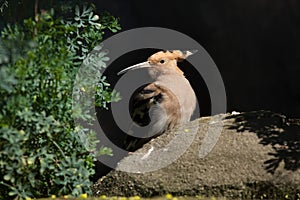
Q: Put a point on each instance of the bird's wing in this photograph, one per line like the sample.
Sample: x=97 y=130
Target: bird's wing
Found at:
x=148 y=115
x=140 y=103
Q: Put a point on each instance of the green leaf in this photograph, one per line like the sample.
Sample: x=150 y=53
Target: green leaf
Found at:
x=40 y=141
x=77 y=12
x=7 y=177
x=12 y=193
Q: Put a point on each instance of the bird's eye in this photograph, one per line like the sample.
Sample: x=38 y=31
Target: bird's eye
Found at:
x=162 y=61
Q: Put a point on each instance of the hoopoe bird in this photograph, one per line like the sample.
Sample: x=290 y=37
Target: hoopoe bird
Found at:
x=168 y=101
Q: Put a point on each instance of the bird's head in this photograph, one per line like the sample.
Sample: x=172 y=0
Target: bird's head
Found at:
x=162 y=60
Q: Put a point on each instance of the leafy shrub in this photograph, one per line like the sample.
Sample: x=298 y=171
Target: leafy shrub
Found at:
x=3 y=4
x=40 y=150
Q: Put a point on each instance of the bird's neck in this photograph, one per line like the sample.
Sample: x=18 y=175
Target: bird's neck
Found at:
x=179 y=71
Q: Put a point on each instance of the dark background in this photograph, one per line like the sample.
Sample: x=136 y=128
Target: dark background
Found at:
x=254 y=43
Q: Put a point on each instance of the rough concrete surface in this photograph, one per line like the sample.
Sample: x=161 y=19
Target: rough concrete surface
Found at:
x=257 y=155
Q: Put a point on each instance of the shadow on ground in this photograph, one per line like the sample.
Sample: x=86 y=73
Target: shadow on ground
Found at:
x=276 y=130
x=256 y=157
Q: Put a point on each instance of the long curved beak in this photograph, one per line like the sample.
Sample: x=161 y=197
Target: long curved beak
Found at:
x=137 y=66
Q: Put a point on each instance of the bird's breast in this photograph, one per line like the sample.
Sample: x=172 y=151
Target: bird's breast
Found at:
x=183 y=92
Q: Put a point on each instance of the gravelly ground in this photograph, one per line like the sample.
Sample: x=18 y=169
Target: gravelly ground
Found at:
x=257 y=155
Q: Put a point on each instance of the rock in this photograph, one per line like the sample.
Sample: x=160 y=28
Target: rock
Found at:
x=239 y=155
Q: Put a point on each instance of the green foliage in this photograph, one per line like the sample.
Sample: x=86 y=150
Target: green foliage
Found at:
x=41 y=152
x=83 y=39
x=3 y=4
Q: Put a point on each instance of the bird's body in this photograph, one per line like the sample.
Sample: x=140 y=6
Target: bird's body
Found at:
x=169 y=100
